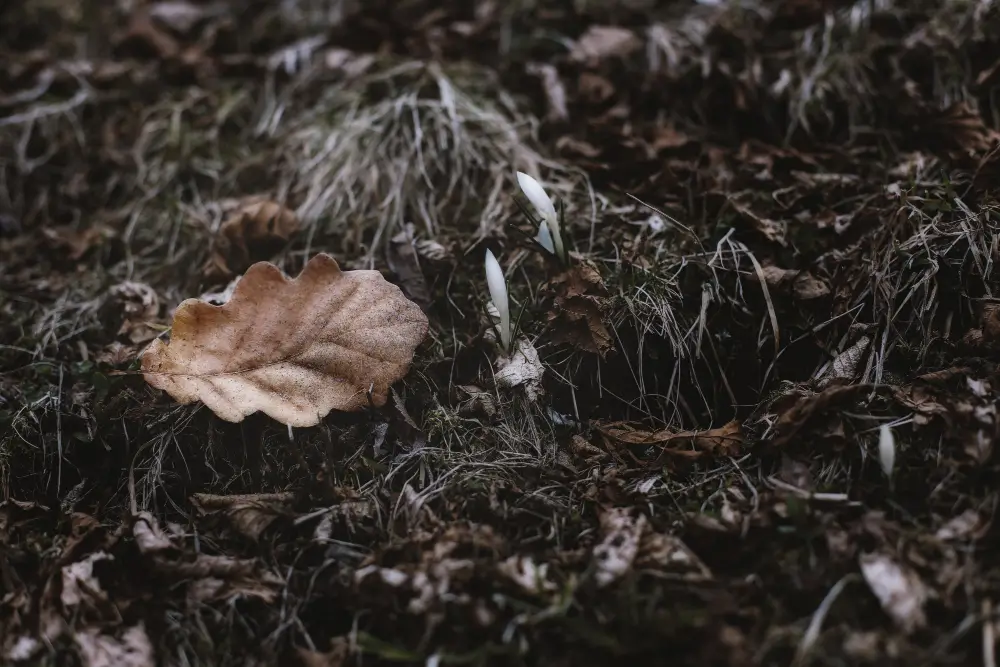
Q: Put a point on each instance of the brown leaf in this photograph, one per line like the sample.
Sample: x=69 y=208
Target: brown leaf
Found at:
x=963 y=129
x=291 y=348
x=792 y=418
x=577 y=316
x=251 y=514
x=255 y=231
x=79 y=585
x=773 y=230
x=804 y=285
x=140 y=308
x=727 y=440
x=603 y=41
x=899 y=589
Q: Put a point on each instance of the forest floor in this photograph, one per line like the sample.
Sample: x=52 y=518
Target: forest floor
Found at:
x=783 y=223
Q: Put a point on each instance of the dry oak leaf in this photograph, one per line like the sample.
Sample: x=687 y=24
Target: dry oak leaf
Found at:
x=293 y=349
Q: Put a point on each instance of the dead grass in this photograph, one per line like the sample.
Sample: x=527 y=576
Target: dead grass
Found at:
x=410 y=142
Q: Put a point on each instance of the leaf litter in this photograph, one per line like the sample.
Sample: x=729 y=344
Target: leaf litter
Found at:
x=782 y=232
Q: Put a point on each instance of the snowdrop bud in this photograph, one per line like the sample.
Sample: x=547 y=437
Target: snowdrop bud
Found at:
x=886 y=449
x=498 y=294
x=545 y=237
x=533 y=190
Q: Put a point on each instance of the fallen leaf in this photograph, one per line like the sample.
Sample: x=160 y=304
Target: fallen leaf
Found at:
x=148 y=536
x=617 y=551
x=669 y=553
x=773 y=230
x=798 y=409
x=251 y=513
x=601 y=41
x=577 y=314
x=727 y=440
x=79 y=585
x=100 y=650
x=291 y=348
x=255 y=231
x=523 y=369
x=140 y=308
x=899 y=590
x=845 y=365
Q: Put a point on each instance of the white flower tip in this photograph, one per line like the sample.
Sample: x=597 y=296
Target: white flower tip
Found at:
x=536 y=194
x=498 y=294
x=545 y=238
x=886 y=449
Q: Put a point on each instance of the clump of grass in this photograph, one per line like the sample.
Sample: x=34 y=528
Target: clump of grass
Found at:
x=412 y=142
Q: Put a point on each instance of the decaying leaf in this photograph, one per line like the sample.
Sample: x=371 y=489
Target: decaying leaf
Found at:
x=522 y=368
x=133 y=649
x=617 y=551
x=79 y=585
x=727 y=440
x=668 y=553
x=795 y=410
x=804 y=285
x=899 y=590
x=845 y=366
x=291 y=348
x=577 y=314
x=250 y=514
x=140 y=307
x=255 y=230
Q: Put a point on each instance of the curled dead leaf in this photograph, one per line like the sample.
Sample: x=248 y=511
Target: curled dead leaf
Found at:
x=251 y=513
x=795 y=410
x=291 y=348
x=804 y=285
x=899 y=590
x=577 y=315
x=140 y=307
x=522 y=368
x=617 y=551
x=254 y=231
x=727 y=440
